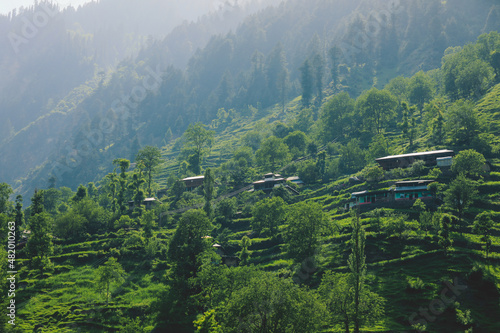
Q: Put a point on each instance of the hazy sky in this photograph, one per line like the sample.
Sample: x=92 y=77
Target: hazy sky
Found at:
x=8 y=5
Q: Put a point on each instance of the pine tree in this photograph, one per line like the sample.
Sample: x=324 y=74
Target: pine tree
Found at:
x=319 y=69
x=306 y=82
x=19 y=216
x=335 y=54
x=124 y=164
x=445 y=240
x=245 y=253
x=37 y=203
x=208 y=191
x=357 y=266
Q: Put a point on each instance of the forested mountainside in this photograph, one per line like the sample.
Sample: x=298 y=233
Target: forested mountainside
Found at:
x=240 y=69
x=257 y=188
x=346 y=245
x=49 y=71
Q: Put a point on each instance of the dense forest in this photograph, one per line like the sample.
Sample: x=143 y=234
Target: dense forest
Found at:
x=140 y=204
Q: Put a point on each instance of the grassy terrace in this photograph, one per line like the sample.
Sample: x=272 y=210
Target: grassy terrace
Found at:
x=68 y=297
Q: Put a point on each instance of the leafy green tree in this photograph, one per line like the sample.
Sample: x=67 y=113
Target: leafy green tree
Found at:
x=148 y=222
x=321 y=164
x=39 y=246
x=207 y=323
x=306 y=222
x=70 y=225
x=421 y=89
x=281 y=130
x=373 y=173
x=226 y=208
x=135 y=186
x=270 y=304
x=399 y=87
x=177 y=190
x=335 y=290
x=337 y=294
x=208 y=191
x=334 y=116
x=469 y=162
x=187 y=243
x=408 y=126
x=112 y=189
x=475 y=78
x=308 y=172
x=304 y=120
x=273 y=153
x=419 y=206
x=461 y=194
x=97 y=217
x=51 y=198
x=306 y=82
x=379 y=147
x=245 y=253
x=483 y=225
x=92 y=190
x=437 y=128
x=198 y=140
x=297 y=139
x=425 y=220
x=376 y=107
x=252 y=139
x=352 y=157
x=5 y=192
x=238 y=170
x=81 y=193
x=462 y=122
x=132 y=326
x=124 y=164
x=398 y=224
x=268 y=213
x=150 y=157
x=312 y=149
x=444 y=233
x=37 y=206
x=110 y=272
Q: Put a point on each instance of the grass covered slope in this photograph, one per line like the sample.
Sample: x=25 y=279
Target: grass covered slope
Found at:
x=168 y=274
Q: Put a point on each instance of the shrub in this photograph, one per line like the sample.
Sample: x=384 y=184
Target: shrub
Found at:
x=417 y=168
x=414 y=284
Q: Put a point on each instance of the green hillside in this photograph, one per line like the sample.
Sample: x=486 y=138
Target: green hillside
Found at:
x=130 y=238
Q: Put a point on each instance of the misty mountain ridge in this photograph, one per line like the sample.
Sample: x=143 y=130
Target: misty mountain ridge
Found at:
x=224 y=73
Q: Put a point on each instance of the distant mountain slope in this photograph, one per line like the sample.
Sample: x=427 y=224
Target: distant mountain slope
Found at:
x=46 y=77
x=377 y=39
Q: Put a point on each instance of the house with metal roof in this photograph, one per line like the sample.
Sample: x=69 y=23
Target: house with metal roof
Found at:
x=405 y=160
x=148 y=203
x=412 y=190
x=269 y=182
x=403 y=190
x=193 y=182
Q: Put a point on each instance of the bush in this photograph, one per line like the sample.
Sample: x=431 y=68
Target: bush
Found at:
x=399 y=173
x=414 y=284
x=308 y=172
x=417 y=168
x=434 y=173
x=373 y=173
